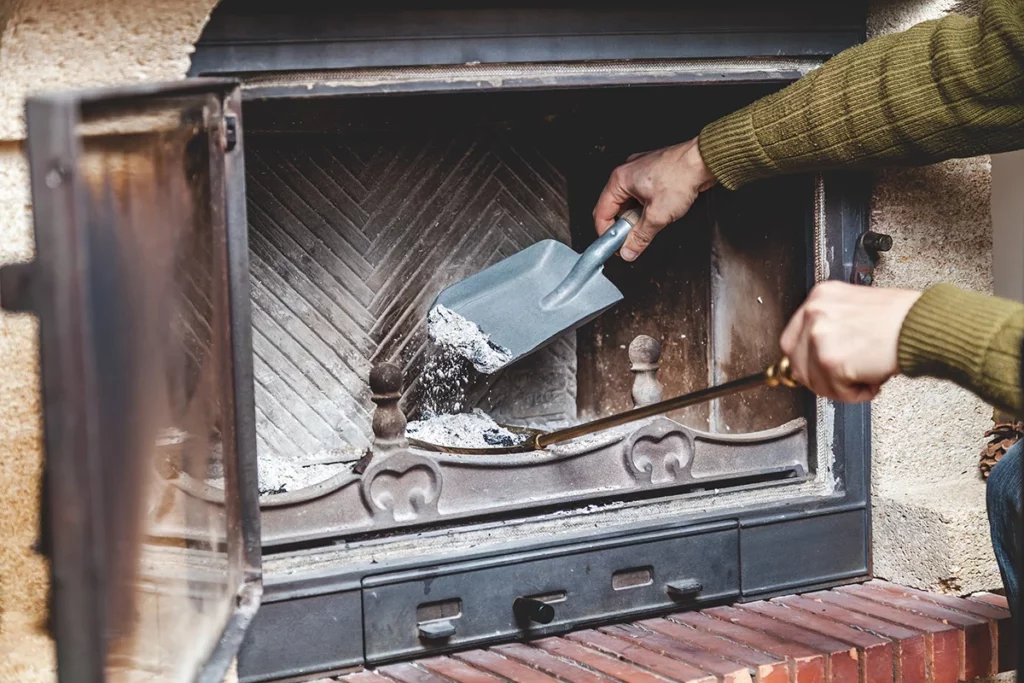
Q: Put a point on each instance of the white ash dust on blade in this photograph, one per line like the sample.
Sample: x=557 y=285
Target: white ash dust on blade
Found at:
x=449 y=329
x=464 y=430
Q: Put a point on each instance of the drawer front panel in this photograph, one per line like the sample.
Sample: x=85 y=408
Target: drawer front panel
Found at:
x=539 y=596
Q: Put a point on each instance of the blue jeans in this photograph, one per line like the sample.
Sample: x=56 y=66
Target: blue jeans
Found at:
x=1004 y=499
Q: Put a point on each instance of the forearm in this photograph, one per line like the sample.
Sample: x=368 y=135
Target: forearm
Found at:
x=948 y=88
x=968 y=338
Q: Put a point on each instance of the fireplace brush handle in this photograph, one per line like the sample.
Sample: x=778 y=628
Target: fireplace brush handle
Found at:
x=778 y=374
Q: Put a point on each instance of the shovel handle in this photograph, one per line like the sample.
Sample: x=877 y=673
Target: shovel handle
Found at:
x=592 y=259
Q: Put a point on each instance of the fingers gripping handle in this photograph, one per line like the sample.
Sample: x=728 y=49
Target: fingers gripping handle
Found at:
x=592 y=260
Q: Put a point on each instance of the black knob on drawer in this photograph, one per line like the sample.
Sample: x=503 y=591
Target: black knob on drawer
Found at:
x=686 y=588
x=436 y=630
x=530 y=609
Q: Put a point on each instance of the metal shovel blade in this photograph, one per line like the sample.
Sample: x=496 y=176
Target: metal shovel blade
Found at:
x=510 y=300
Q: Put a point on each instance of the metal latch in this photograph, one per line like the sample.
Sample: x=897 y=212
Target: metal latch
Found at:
x=229 y=132
x=16 y=287
x=865 y=256
x=436 y=630
x=686 y=588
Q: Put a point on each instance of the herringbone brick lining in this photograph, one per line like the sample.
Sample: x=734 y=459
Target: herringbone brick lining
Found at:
x=871 y=633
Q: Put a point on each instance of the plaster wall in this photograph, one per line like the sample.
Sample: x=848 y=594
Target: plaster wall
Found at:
x=929 y=500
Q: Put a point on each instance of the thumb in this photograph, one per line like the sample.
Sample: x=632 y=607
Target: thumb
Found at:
x=639 y=237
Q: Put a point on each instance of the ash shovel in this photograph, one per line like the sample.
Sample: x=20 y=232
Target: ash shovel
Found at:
x=778 y=374
x=526 y=300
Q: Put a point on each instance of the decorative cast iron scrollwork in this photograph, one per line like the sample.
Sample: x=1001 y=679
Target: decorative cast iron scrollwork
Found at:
x=660 y=453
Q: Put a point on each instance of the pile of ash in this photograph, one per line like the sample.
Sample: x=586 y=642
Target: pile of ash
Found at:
x=463 y=430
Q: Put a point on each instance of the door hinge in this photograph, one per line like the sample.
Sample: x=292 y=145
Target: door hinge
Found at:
x=17 y=288
x=230 y=139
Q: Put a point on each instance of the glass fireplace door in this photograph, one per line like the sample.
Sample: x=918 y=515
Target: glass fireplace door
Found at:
x=140 y=284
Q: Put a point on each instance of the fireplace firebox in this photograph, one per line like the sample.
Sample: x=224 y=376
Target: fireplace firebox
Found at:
x=390 y=152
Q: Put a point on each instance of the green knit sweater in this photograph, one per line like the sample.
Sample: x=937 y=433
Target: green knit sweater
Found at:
x=943 y=89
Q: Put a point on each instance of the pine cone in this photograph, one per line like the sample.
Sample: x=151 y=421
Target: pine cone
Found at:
x=1000 y=438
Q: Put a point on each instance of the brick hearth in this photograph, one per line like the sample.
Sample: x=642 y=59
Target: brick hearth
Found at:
x=871 y=633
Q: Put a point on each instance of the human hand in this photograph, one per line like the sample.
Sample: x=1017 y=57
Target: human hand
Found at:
x=842 y=342
x=666 y=182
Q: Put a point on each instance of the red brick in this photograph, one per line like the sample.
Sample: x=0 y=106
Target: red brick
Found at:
x=506 y=668
x=944 y=642
x=873 y=652
x=977 y=609
x=767 y=668
x=364 y=677
x=729 y=672
x=659 y=664
x=806 y=665
x=1003 y=659
x=991 y=599
x=910 y=648
x=612 y=666
x=542 y=661
x=457 y=671
x=409 y=673
x=977 y=646
x=841 y=662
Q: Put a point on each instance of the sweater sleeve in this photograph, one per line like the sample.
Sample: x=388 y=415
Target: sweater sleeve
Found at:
x=969 y=338
x=948 y=88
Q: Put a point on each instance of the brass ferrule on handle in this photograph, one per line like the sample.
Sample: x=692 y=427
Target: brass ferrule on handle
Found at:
x=780 y=374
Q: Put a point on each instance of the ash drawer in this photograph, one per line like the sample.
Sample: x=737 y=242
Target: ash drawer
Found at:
x=538 y=594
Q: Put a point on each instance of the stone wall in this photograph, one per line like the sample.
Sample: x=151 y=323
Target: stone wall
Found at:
x=46 y=44
x=929 y=500
x=930 y=528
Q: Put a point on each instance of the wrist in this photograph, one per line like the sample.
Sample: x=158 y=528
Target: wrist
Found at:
x=694 y=161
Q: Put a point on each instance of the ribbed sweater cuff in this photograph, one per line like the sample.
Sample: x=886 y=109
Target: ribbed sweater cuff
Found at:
x=730 y=148
x=947 y=332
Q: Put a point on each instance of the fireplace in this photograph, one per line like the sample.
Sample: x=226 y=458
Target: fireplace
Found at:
x=389 y=153
x=355 y=226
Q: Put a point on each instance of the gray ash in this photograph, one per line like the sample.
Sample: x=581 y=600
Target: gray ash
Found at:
x=444 y=382
x=465 y=430
x=465 y=338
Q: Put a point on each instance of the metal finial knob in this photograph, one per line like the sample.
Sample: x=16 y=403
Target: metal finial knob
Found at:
x=644 y=357
x=388 y=419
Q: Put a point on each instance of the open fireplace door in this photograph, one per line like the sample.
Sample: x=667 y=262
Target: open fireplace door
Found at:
x=140 y=285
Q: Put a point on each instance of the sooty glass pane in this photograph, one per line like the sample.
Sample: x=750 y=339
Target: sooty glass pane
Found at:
x=158 y=276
